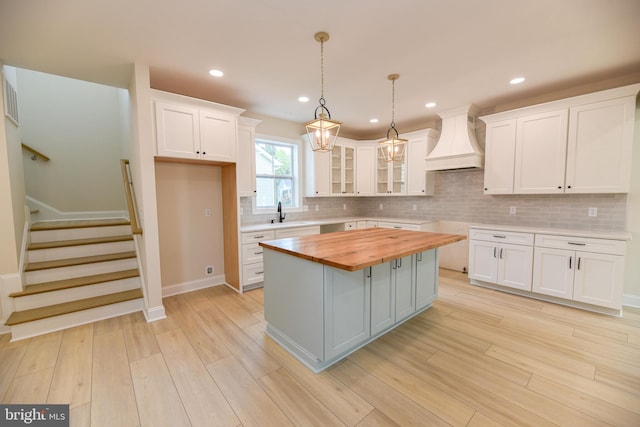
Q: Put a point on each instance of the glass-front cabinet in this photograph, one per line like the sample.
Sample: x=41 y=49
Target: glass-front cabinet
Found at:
x=391 y=176
x=343 y=170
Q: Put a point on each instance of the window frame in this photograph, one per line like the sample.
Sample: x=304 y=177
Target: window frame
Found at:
x=297 y=173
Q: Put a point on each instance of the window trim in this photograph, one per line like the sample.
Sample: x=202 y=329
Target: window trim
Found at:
x=297 y=173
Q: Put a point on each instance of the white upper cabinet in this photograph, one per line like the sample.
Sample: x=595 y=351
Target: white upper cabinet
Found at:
x=419 y=144
x=218 y=136
x=246 y=165
x=343 y=168
x=391 y=177
x=576 y=145
x=500 y=157
x=317 y=172
x=190 y=128
x=541 y=146
x=599 y=146
x=366 y=169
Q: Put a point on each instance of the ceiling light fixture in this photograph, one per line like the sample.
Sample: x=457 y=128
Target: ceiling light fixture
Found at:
x=430 y=104
x=393 y=147
x=373 y=121
x=216 y=73
x=322 y=131
x=517 y=80
x=303 y=99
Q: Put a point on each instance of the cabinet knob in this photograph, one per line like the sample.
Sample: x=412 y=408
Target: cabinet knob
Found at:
x=559 y=187
x=485 y=188
x=568 y=186
x=197 y=152
x=204 y=152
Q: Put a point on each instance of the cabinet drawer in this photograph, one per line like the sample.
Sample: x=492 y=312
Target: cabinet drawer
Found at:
x=258 y=236
x=585 y=244
x=398 y=225
x=252 y=273
x=297 y=231
x=251 y=253
x=501 y=236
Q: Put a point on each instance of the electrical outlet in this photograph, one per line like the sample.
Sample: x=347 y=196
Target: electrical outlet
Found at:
x=344 y=206
x=380 y=207
x=414 y=207
x=305 y=208
x=593 y=211
x=208 y=270
x=317 y=208
x=207 y=212
x=512 y=210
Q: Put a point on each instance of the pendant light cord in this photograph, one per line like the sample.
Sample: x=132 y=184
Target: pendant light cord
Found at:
x=322 y=72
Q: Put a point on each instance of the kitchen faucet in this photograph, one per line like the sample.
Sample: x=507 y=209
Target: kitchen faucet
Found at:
x=280 y=214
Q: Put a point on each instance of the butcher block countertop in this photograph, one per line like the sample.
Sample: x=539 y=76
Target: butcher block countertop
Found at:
x=358 y=249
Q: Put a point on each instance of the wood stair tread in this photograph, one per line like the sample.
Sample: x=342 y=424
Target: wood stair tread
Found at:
x=84 y=223
x=76 y=282
x=33 y=266
x=18 y=317
x=78 y=242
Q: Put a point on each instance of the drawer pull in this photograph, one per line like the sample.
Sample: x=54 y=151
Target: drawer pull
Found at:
x=257 y=273
x=257 y=253
x=258 y=237
x=498 y=236
x=577 y=243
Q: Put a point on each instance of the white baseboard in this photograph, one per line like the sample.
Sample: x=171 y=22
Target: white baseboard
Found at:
x=49 y=213
x=181 y=288
x=630 y=300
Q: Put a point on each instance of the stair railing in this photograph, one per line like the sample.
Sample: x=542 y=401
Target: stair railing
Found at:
x=34 y=153
x=128 y=192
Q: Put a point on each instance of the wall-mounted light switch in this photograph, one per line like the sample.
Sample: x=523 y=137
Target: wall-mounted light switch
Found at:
x=512 y=210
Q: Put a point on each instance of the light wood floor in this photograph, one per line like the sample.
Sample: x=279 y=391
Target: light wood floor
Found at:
x=476 y=358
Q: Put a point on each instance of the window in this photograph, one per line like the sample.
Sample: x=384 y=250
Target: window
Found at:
x=276 y=174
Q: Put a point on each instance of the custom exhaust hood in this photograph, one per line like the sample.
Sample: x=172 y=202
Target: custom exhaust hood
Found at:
x=457 y=147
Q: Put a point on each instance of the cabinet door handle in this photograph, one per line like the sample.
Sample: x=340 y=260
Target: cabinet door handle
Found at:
x=501 y=249
x=419 y=256
x=369 y=273
x=579 y=259
x=394 y=264
x=399 y=262
x=570 y=262
x=498 y=236
x=577 y=244
x=494 y=251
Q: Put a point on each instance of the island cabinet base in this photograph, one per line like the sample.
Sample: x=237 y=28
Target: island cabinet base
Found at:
x=321 y=314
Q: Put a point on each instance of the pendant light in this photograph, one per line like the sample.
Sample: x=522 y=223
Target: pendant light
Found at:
x=322 y=131
x=393 y=147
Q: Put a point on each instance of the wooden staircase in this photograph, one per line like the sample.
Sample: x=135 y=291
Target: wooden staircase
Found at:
x=77 y=272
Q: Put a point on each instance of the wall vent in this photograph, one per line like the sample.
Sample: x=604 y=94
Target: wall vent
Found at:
x=10 y=102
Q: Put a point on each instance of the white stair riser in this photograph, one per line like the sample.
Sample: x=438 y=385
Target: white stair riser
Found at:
x=52 y=254
x=78 y=233
x=73 y=294
x=57 y=323
x=62 y=273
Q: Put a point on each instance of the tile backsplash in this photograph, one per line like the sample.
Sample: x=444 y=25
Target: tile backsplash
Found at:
x=459 y=197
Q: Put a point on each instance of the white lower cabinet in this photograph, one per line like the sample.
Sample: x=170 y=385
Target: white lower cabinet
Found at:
x=580 y=275
x=426 y=278
x=578 y=270
x=252 y=265
x=503 y=258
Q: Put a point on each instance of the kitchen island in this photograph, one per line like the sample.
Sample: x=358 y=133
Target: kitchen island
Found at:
x=327 y=295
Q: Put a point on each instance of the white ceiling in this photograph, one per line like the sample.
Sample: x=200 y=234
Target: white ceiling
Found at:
x=453 y=52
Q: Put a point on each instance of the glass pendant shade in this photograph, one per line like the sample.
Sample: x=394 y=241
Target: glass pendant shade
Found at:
x=322 y=132
x=393 y=147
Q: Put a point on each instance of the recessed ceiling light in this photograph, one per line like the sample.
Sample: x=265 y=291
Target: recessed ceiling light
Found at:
x=517 y=80
x=303 y=99
x=216 y=73
x=373 y=121
x=430 y=104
